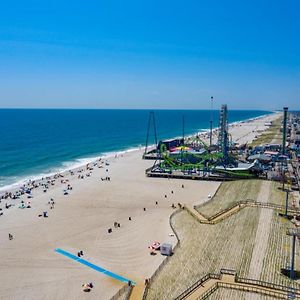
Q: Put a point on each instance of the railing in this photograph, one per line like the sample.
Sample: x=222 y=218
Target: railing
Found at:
x=197 y=284
x=250 y=202
x=222 y=212
x=212 y=220
x=228 y=272
x=240 y=205
x=244 y=284
x=270 y=205
x=209 y=292
x=265 y=284
x=251 y=289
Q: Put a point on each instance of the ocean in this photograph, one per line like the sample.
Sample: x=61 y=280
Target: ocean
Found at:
x=39 y=142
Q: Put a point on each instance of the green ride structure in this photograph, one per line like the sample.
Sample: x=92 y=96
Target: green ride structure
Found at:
x=190 y=157
x=203 y=163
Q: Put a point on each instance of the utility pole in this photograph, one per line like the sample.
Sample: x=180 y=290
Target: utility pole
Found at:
x=286 y=203
x=293 y=232
x=283 y=175
x=285 y=110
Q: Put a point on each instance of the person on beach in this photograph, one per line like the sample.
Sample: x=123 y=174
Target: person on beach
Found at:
x=52 y=204
x=10 y=236
x=86 y=287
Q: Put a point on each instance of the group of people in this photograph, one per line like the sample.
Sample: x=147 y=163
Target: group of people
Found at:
x=107 y=178
x=116 y=225
x=51 y=203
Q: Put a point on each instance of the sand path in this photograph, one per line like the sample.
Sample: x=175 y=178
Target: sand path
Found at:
x=262 y=234
x=261 y=239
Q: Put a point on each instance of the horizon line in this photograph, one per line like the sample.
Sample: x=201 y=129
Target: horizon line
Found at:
x=149 y=109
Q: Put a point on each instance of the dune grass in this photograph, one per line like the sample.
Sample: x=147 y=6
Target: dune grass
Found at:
x=230 y=193
x=278 y=254
x=272 y=135
x=228 y=244
x=205 y=249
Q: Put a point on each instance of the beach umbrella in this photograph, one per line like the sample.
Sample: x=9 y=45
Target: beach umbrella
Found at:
x=155 y=245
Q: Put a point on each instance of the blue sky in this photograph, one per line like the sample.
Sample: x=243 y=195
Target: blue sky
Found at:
x=150 y=54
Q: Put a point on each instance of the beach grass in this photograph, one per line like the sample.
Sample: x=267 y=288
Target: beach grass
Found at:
x=229 y=194
x=206 y=249
x=272 y=135
x=278 y=253
x=229 y=244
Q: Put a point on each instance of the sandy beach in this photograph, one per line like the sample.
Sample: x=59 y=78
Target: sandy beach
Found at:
x=31 y=269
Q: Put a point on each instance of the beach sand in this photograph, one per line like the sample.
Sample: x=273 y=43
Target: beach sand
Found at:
x=31 y=269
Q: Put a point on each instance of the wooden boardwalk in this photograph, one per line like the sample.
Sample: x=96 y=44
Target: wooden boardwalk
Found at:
x=234 y=209
x=211 y=282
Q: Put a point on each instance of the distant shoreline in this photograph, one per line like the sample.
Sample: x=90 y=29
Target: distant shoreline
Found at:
x=81 y=162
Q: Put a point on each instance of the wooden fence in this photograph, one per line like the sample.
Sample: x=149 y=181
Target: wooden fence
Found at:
x=243 y=284
x=198 y=283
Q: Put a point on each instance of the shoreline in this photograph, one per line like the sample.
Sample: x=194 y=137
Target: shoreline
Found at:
x=80 y=221
x=82 y=162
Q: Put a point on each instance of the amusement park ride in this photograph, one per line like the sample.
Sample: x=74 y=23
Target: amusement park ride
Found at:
x=191 y=157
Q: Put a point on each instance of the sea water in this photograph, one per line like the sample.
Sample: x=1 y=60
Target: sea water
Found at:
x=37 y=142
